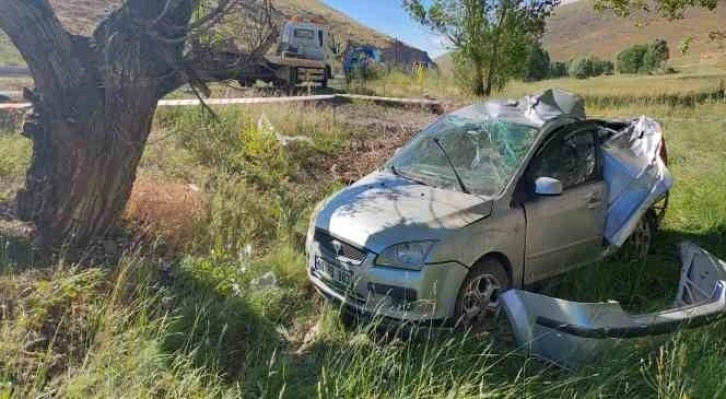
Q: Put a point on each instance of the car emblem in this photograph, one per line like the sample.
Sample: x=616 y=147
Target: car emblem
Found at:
x=338 y=246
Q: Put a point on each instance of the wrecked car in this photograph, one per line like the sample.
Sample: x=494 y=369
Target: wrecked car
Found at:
x=491 y=197
x=573 y=334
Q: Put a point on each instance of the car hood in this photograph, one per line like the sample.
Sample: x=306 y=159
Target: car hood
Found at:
x=384 y=209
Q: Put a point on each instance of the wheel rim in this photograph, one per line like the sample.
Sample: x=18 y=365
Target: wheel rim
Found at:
x=640 y=239
x=480 y=299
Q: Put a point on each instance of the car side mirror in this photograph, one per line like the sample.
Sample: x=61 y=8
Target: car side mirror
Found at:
x=547 y=186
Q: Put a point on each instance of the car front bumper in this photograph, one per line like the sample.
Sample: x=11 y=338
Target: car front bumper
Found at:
x=392 y=295
x=574 y=334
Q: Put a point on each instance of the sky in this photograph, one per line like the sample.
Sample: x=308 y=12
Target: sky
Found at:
x=389 y=17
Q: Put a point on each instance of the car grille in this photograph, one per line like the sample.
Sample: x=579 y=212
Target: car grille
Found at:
x=326 y=241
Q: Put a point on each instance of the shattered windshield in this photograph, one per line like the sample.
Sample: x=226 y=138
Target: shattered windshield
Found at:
x=485 y=152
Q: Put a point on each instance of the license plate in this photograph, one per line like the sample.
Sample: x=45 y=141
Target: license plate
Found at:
x=331 y=271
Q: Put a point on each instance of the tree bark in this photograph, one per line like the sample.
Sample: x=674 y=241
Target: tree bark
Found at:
x=479 y=89
x=94 y=103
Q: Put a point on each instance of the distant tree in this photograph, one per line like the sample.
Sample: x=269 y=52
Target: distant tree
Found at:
x=589 y=67
x=656 y=57
x=672 y=9
x=642 y=58
x=490 y=38
x=630 y=60
x=559 y=69
x=538 y=64
x=581 y=68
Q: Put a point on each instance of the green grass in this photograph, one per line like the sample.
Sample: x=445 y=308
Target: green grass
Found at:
x=15 y=152
x=9 y=56
x=204 y=326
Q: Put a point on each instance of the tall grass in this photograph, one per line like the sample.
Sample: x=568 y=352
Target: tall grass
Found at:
x=202 y=322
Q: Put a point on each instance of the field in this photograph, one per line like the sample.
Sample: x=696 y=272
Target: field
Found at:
x=184 y=305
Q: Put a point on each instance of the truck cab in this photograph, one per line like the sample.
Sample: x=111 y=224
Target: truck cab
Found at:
x=305 y=39
x=304 y=53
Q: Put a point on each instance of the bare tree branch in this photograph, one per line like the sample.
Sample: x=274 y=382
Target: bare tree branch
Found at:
x=44 y=44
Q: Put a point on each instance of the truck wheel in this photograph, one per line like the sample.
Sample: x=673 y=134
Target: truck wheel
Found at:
x=478 y=300
x=640 y=243
x=328 y=76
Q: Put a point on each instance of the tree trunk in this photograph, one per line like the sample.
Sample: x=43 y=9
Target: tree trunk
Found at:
x=478 y=88
x=94 y=103
x=95 y=100
x=83 y=169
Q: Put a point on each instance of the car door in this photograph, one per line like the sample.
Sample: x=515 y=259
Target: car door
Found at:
x=565 y=230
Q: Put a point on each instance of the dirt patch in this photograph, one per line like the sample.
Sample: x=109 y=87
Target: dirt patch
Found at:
x=376 y=132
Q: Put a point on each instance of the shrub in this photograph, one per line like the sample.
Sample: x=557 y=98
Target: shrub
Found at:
x=559 y=69
x=656 y=57
x=538 y=64
x=588 y=67
x=630 y=60
x=642 y=58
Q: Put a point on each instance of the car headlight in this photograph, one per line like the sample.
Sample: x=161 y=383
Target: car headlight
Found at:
x=408 y=255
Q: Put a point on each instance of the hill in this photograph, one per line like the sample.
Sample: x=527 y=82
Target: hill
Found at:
x=576 y=29
x=80 y=17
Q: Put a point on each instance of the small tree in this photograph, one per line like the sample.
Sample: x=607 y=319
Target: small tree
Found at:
x=656 y=57
x=630 y=60
x=559 y=69
x=581 y=68
x=538 y=64
x=589 y=67
x=490 y=37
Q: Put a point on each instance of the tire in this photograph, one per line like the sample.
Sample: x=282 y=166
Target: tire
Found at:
x=488 y=277
x=640 y=243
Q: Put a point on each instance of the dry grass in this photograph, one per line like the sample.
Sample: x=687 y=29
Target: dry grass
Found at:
x=626 y=85
x=167 y=211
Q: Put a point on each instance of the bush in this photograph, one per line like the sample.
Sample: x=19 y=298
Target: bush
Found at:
x=656 y=57
x=642 y=58
x=630 y=60
x=588 y=67
x=538 y=64
x=559 y=69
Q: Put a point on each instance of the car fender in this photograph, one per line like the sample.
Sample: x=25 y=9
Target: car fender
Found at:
x=503 y=232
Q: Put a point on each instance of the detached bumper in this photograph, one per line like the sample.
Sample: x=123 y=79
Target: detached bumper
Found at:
x=572 y=334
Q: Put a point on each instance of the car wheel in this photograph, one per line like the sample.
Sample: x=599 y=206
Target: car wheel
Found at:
x=478 y=300
x=640 y=243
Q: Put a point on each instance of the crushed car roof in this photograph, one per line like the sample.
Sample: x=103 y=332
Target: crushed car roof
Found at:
x=534 y=110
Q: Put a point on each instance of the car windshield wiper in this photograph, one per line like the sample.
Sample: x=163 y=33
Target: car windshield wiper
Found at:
x=407 y=176
x=448 y=159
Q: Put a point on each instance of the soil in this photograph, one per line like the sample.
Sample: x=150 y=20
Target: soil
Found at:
x=377 y=132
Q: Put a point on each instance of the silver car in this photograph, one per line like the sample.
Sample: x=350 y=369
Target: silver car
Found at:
x=494 y=196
